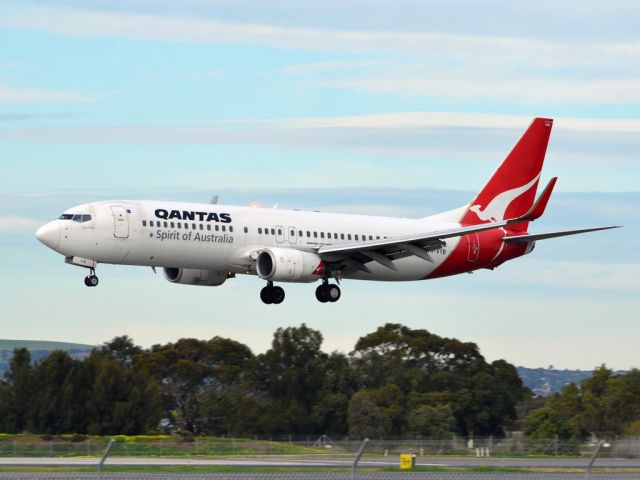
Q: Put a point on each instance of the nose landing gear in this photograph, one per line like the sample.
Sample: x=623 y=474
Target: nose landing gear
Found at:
x=91 y=280
x=328 y=292
x=271 y=294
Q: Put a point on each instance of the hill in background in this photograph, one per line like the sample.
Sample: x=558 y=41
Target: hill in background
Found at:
x=39 y=350
x=545 y=381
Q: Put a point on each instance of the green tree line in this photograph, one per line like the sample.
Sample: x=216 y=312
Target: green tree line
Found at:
x=604 y=405
x=396 y=381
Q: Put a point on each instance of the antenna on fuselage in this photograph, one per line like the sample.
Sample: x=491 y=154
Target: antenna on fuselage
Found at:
x=214 y=200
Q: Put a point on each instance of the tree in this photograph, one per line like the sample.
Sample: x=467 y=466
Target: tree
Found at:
x=366 y=419
x=292 y=373
x=433 y=422
x=20 y=378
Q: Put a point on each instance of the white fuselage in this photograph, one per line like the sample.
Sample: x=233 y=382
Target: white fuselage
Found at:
x=225 y=238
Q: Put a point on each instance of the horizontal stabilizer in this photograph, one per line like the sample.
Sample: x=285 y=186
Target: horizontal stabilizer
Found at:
x=543 y=236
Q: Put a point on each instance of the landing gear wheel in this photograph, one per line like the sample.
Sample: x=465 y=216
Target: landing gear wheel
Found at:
x=91 y=281
x=328 y=293
x=277 y=295
x=321 y=294
x=266 y=295
x=333 y=293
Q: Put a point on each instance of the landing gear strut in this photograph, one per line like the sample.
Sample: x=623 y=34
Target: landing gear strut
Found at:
x=91 y=280
x=271 y=294
x=328 y=292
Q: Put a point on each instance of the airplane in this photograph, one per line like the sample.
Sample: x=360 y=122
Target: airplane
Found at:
x=207 y=244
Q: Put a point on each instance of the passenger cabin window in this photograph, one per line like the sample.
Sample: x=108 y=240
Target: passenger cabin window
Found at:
x=279 y=232
x=186 y=225
x=308 y=234
x=299 y=233
x=335 y=236
x=144 y=223
x=179 y=224
x=259 y=230
x=292 y=233
x=208 y=226
x=151 y=223
x=273 y=231
x=166 y=224
x=356 y=237
x=217 y=228
x=194 y=225
x=173 y=225
x=246 y=230
x=321 y=234
x=201 y=227
x=348 y=236
x=224 y=228
x=315 y=234
x=342 y=236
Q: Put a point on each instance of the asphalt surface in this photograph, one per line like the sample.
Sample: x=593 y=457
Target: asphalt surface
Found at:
x=318 y=476
x=324 y=462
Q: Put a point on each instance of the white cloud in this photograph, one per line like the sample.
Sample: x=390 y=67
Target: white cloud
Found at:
x=595 y=276
x=449 y=66
x=9 y=225
x=9 y=94
x=203 y=30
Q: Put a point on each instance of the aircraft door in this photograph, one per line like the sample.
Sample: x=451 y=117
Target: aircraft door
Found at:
x=279 y=234
x=473 y=243
x=120 y=222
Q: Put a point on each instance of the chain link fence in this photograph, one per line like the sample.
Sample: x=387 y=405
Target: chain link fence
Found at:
x=30 y=446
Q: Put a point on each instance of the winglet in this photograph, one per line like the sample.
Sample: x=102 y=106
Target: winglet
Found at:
x=537 y=209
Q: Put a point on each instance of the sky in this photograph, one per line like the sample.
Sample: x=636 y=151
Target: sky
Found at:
x=400 y=108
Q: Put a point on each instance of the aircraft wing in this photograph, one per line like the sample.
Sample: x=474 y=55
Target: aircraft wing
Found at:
x=384 y=251
x=542 y=236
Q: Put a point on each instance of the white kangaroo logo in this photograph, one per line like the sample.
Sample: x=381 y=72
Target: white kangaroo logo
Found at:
x=496 y=209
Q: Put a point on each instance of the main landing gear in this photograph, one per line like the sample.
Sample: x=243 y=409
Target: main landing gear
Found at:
x=328 y=292
x=271 y=294
x=91 y=280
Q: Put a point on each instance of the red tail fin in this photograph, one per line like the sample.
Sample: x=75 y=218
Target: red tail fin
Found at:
x=511 y=190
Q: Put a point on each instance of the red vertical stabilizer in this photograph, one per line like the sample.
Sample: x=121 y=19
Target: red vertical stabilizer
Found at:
x=511 y=190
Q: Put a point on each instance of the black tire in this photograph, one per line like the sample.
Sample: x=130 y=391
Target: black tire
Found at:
x=333 y=293
x=87 y=282
x=266 y=295
x=321 y=294
x=277 y=295
x=93 y=281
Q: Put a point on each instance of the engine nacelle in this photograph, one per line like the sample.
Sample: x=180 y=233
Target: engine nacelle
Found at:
x=190 y=276
x=289 y=265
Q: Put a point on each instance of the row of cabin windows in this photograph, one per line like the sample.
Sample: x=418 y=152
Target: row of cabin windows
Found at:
x=328 y=235
x=266 y=231
x=185 y=225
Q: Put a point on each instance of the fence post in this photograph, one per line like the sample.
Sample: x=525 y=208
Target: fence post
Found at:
x=593 y=457
x=357 y=459
x=555 y=450
x=105 y=454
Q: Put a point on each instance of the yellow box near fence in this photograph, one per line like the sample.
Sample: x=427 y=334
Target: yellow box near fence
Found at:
x=406 y=461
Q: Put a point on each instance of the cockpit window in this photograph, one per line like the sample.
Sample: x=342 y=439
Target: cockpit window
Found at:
x=80 y=218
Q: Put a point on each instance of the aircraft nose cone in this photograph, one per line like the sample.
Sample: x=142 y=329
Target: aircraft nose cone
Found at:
x=49 y=234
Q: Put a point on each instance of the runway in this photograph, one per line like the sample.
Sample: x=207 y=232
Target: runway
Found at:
x=322 y=462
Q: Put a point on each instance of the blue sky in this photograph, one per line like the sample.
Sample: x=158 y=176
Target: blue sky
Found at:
x=400 y=108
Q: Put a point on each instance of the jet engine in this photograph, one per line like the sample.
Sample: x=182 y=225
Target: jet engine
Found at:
x=289 y=265
x=190 y=276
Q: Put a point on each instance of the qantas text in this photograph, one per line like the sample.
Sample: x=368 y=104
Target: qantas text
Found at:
x=189 y=215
